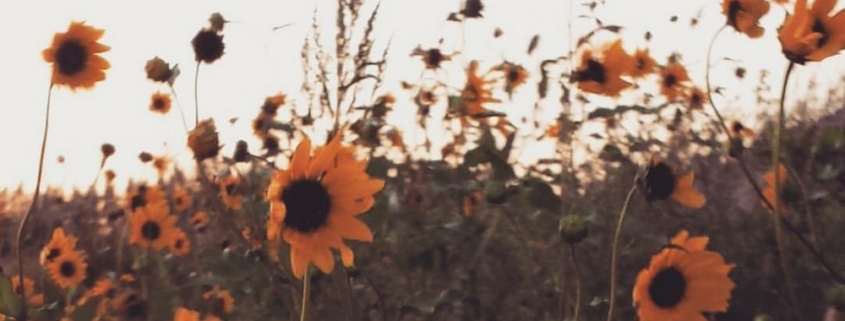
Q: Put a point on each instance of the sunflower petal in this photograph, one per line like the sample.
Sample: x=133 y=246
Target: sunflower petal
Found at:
x=299 y=161
x=686 y=194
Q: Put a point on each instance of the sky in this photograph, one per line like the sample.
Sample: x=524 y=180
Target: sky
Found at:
x=259 y=62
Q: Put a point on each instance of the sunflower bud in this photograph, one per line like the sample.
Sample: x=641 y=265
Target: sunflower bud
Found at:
x=217 y=22
x=203 y=140
x=107 y=150
x=836 y=297
x=145 y=157
x=158 y=70
x=495 y=192
x=572 y=229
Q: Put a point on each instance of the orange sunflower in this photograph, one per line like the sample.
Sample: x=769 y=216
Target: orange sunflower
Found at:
x=812 y=35
x=696 y=98
x=58 y=244
x=221 y=301
x=179 y=245
x=181 y=199
x=515 y=75
x=314 y=204
x=75 y=57
x=104 y=287
x=228 y=184
x=145 y=196
x=673 y=77
x=160 y=103
x=68 y=269
x=744 y=15
x=476 y=93
x=643 y=65
x=199 y=221
x=603 y=76
x=681 y=282
x=152 y=227
x=183 y=314
x=662 y=184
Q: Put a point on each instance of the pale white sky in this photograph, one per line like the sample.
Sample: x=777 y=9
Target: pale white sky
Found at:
x=259 y=63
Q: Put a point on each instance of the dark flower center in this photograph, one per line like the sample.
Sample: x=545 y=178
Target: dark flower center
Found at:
x=513 y=75
x=54 y=253
x=158 y=104
x=67 y=269
x=660 y=182
x=670 y=81
x=819 y=27
x=208 y=46
x=433 y=58
x=640 y=63
x=667 y=288
x=151 y=230
x=594 y=72
x=71 y=57
x=308 y=204
x=733 y=9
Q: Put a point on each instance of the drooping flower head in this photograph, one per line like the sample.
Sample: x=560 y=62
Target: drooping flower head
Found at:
x=661 y=183
x=682 y=281
x=812 y=35
x=314 y=204
x=603 y=75
x=75 y=57
x=744 y=15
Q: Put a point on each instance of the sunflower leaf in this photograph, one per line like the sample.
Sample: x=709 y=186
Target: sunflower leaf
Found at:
x=9 y=301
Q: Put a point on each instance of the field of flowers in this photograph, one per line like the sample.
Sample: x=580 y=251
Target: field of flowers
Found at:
x=682 y=214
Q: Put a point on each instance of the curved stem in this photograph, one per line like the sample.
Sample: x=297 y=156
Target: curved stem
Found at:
x=776 y=213
x=196 y=99
x=303 y=311
x=615 y=251
x=179 y=105
x=32 y=205
x=577 y=282
x=707 y=81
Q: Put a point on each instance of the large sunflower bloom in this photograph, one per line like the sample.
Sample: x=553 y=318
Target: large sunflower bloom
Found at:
x=75 y=57
x=58 y=244
x=152 y=227
x=680 y=283
x=314 y=202
x=661 y=184
x=603 y=76
x=68 y=270
x=744 y=15
x=812 y=35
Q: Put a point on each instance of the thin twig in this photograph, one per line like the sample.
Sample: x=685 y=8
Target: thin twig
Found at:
x=612 y=295
x=22 y=314
x=196 y=99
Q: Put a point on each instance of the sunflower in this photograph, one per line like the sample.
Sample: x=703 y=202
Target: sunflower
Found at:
x=103 y=287
x=515 y=75
x=682 y=239
x=181 y=199
x=662 y=184
x=603 y=76
x=152 y=227
x=160 y=103
x=28 y=290
x=179 y=245
x=744 y=15
x=199 y=221
x=314 y=202
x=208 y=46
x=812 y=35
x=643 y=64
x=475 y=93
x=145 y=196
x=228 y=185
x=75 y=57
x=183 y=314
x=58 y=244
x=673 y=77
x=681 y=283
x=68 y=269
x=696 y=98
x=203 y=140
x=160 y=163
x=221 y=300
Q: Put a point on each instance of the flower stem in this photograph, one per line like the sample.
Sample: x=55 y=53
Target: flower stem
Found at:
x=196 y=99
x=179 y=105
x=707 y=81
x=22 y=314
x=577 y=282
x=778 y=145
x=303 y=311
x=615 y=251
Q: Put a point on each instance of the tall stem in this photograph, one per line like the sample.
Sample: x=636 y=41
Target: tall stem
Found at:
x=778 y=145
x=19 y=241
x=196 y=99
x=179 y=105
x=612 y=295
x=304 y=310
x=707 y=81
x=577 y=282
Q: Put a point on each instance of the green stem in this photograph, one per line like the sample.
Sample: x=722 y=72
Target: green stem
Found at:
x=22 y=314
x=778 y=146
x=577 y=282
x=615 y=251
x=196 y=99
x=303 y=311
